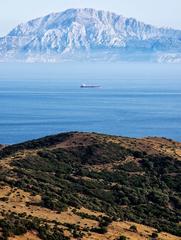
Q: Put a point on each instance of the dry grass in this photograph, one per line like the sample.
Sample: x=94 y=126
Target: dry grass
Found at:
x=115 y=229
x=151 y=145
x=27 y=236
x=17 y=196
x=15 y=200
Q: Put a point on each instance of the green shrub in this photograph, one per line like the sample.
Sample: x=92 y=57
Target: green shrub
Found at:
x=154 y=235
x=122 y=238
x=133 y=228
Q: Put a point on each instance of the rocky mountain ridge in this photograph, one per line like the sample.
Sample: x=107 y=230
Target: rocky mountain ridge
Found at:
x=88 y=34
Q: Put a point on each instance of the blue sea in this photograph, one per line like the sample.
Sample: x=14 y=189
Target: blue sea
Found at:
x=135 y=100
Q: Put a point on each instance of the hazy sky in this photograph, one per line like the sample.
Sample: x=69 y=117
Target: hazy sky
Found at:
x=157 y=12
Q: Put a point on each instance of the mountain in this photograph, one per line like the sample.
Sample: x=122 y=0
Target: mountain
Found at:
x=88 y=34
x=90 y=186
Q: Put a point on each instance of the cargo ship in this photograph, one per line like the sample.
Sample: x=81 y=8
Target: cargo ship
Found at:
x=89 y=86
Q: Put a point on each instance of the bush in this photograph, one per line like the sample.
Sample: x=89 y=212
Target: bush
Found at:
x=133 y=228
x=100 y=230
x=122 y=238
x=105 y=221
x=154 y=235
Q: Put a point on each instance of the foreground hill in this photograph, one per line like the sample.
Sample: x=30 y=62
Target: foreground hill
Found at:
x=90 y=186
x=90 y=35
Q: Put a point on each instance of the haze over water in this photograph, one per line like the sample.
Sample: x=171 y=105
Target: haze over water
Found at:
x=135 y=100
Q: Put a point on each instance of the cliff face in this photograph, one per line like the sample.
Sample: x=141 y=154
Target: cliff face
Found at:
x=90 y=186
x=88 y=34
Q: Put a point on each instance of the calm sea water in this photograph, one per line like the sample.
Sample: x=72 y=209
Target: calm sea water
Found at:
x=135 y=100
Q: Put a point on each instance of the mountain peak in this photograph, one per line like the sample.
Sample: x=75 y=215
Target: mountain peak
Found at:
x=87 y=31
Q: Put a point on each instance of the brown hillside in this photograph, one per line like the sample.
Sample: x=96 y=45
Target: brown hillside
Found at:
x=90 y=186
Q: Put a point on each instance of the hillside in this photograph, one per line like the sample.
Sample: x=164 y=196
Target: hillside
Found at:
x=89 y=34
x=90 y=186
